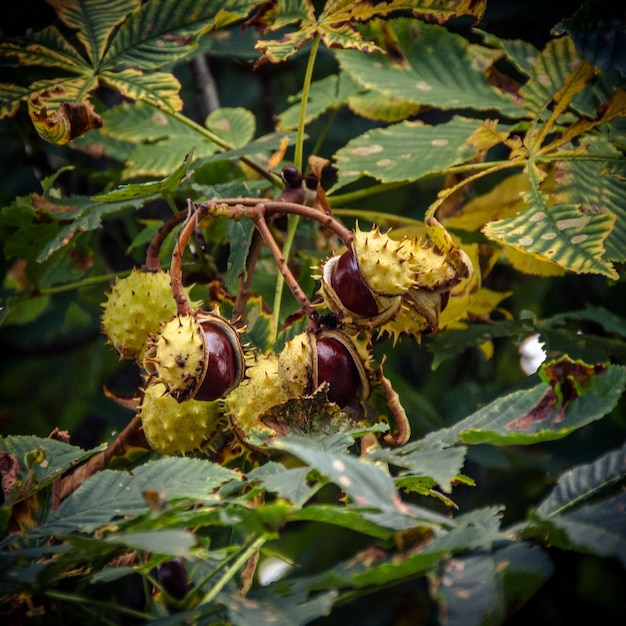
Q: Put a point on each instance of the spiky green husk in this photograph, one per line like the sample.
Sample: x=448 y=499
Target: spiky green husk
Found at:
x=295 y=366
x=176 y=356
x=178 y=428
x=259 y=392
x=135 y=308
x=392 y=267
x=383 y=262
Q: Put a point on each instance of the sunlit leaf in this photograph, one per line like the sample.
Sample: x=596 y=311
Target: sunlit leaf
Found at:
x=571 y=235
x=406 y=151
x=549 y=72
x=157 y=87
x=335 y=24
x=453 y=78
x=163 y=541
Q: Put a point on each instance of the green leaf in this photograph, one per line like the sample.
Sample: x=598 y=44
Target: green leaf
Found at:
x=93 y=25
x=366 y=484
x=239 y=236
x=110 y=495
x=583 y=482
x=570 y=235
x=441 y=464
x=470 y=594
x=330 y=92
x=597 y=30
x=290 y=484
x=90 y=212
x=575 y=396
x=549 y=73
x=340 y=516
x=163 y=541
x=235 y=126
x=159 y=88
x=165 y=32
x=407 y=151
x=439 y=69
x=43 y=460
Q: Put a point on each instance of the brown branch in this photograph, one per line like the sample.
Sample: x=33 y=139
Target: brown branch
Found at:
x=243 y=293
x=283 y=266
x=153 y=254
x=403 y=427
x=68 y=484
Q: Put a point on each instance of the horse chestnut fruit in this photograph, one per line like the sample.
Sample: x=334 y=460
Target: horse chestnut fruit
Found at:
x=196 y=356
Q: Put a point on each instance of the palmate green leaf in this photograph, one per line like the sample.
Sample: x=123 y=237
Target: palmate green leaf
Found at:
x=570 y=233
x=92 y=24
x=439 y=69
x=46 y=48
x=165 y=32
x=159 y=88
x=575 y=395
x=407 y=151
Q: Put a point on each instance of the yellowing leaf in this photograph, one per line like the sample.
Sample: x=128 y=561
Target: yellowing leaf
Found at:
x=530 y=264
x=504 y=200
x=335 y=24
x=61 y=125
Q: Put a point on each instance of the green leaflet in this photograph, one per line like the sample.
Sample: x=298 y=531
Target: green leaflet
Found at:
x=439 y=69
x=575 y=396
x=406 y=151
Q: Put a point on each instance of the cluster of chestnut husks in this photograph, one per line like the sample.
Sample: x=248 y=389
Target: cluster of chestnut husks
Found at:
x=199 y=380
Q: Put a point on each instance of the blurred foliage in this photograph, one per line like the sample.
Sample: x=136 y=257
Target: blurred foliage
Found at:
x=507 y=503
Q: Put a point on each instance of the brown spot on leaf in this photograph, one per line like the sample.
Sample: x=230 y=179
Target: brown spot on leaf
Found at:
x=567 y=379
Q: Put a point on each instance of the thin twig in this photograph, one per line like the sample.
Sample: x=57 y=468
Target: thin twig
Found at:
x=283 y=266
x=243 y=293
x=71 y=482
